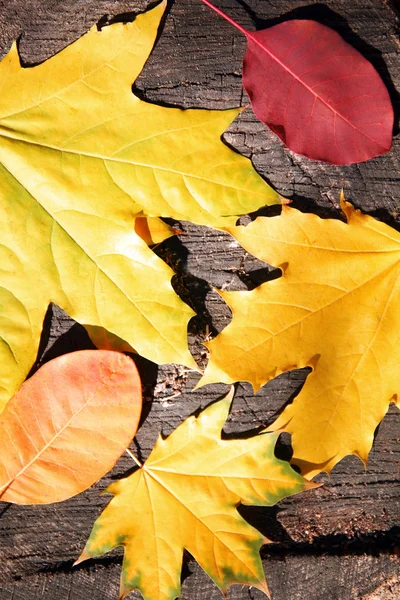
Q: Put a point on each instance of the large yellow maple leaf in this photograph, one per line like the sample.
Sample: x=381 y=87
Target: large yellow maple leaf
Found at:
x=185 y=497
x=335 y=309
x=80 y=158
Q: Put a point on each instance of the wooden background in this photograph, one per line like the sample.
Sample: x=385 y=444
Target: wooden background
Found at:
x=339 y=542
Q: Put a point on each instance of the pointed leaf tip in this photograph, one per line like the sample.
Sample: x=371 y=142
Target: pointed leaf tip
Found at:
x=84 y=556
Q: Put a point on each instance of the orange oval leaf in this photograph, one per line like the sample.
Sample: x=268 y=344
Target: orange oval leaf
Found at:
x=67 y=426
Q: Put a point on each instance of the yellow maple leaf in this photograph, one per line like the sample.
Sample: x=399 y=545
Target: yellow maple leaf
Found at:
x=335 y=308
x=80 y=158
x=185 y=497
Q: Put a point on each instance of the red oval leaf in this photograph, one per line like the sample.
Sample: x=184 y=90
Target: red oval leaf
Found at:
x=67 y=426
x=316 y=92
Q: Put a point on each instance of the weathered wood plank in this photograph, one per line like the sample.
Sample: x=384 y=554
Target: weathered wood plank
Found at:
x=325 y=578
x=339 y=541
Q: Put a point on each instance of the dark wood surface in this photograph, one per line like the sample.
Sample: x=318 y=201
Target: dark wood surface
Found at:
x=339 y=542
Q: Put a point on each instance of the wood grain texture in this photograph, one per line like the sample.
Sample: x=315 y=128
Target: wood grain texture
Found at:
x=339 y=542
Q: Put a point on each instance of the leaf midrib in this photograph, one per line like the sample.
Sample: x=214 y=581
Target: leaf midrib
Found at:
x=149 y=468
x=106 y=159
x=357 y=367
x=312 y=313
x=39 y=453
x=159 y=481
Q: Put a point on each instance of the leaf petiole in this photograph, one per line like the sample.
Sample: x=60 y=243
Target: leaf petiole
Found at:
x=133 y=457
x=223 y=15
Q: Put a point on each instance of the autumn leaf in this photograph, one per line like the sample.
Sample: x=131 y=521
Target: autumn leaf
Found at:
x=76 y=133
x=335 y=309
x=185 y=497
x=81 y=158
x=316 y=92
x=67 y=426
x=152 y=230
